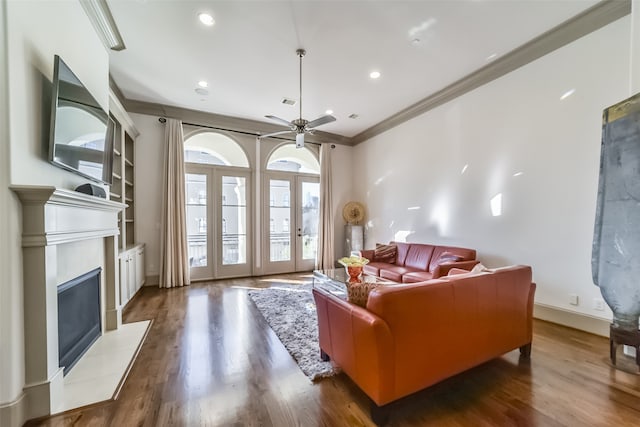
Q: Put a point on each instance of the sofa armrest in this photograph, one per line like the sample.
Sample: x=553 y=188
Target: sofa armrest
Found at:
x=443 y=269
x=358 y=341
x=367 y=253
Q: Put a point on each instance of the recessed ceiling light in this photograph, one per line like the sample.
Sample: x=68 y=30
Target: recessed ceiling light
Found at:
x=353 y=116
x=201 y=91
x=206 y=19
x=329 y=112
x=375 y=74
x=203 y=83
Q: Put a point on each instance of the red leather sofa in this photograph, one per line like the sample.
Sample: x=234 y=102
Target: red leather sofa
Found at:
x=411 y=336
x=417 y=262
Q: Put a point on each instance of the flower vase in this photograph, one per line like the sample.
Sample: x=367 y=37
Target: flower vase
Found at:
x=354 y=272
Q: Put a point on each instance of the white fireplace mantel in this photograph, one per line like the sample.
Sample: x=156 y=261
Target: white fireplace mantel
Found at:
x=52 y=217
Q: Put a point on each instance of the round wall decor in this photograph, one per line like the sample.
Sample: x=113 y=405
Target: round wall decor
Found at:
x=353 y=213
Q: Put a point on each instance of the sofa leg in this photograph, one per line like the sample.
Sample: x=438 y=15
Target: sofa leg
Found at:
x=380 y=414
x=525 y=351
x=324 y=356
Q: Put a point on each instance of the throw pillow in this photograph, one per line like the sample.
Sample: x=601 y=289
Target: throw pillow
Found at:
x=479 y=268
x=385 y=253
x=358 y=293
x=448 y=257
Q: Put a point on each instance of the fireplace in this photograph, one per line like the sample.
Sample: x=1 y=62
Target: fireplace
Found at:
x=65 y=235
x=79 y=323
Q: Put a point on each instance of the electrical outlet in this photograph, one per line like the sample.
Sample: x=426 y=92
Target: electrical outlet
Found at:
x=629 y=351
x=598 y=304
x=573 y=299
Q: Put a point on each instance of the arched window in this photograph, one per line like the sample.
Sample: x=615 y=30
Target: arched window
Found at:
x=213 y=148
x=291 y=159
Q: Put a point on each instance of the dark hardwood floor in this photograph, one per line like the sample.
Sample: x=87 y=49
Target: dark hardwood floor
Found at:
x=210 y=359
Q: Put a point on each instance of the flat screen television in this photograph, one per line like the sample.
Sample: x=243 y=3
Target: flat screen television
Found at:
x=81 y=131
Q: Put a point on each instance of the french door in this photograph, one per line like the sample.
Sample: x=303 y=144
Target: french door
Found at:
x=290 y=226
x=218 y=221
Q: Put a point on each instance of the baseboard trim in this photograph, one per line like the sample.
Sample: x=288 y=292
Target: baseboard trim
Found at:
x=13 y=414
x=581 y=321
x=152 y=280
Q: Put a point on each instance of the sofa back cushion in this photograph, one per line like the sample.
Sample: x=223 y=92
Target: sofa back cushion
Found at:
x=403 y=248
x=418 y=256
x=443 y=254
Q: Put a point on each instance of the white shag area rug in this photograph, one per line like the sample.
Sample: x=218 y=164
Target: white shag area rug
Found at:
x=291 y=312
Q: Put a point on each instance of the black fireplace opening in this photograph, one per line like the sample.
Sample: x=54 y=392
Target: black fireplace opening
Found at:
x=79 y=323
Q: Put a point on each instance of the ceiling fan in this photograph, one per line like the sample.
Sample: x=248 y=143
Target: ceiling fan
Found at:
x=300 y=126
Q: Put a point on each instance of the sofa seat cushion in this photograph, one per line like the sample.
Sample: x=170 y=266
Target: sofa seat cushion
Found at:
x=417 y=276
x=373 y=268
x=395 y=272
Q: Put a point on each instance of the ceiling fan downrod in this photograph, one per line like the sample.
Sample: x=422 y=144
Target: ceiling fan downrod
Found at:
x=301 y=53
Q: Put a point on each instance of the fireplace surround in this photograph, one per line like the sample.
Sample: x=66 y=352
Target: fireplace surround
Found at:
x=64 y=235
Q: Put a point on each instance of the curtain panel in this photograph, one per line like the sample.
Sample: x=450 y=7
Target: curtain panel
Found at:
x=174 y=264
x=326 y=253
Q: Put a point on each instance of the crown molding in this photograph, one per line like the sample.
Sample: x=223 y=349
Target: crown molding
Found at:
x=590 y=20
x=223 y=122
x=100 y=16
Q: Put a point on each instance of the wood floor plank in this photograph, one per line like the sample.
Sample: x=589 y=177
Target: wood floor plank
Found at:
x=210 y=359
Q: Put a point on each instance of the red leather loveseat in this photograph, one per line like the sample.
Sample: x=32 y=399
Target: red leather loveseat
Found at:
x=411 y=336
x=416 y=262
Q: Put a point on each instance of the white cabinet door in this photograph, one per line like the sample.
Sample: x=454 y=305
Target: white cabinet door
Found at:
x=140 y=277
x=131 y=273
x=124 y=279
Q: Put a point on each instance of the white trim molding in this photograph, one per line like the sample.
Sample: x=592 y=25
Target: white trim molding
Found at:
x=584 y=322
x=102 y=20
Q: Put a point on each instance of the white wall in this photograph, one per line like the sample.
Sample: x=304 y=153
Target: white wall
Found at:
x=519 y=140
x=36 y=35
x=11 y=339
x=343 y=192
x=33 y=34
x=148 y=179
x=149 y=152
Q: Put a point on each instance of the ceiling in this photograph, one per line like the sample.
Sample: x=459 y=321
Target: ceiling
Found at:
x=248 y=57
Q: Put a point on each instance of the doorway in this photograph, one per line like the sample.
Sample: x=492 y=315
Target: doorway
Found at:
x=218 y=207
x=292 y=213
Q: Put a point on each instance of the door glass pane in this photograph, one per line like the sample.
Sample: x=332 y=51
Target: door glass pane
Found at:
x=196 y=197
x=310 y=215
x=234 y=220
x=279 y=215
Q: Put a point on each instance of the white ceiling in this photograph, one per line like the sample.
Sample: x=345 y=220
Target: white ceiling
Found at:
x=248 y=56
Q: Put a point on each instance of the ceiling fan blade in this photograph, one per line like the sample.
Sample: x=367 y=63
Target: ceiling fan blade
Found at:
x=282 y=132
x=328 y=118
x=299 y=140
x=282 y=121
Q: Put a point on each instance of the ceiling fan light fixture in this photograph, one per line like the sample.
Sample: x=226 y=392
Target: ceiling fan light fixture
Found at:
x=300 y=126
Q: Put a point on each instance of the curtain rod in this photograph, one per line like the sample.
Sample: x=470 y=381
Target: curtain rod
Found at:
x=164 y=120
